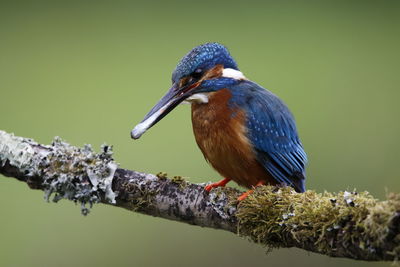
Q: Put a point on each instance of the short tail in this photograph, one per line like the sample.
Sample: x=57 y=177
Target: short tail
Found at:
x=299 y=182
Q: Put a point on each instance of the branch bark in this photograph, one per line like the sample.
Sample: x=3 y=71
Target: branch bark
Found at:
x=347 y=224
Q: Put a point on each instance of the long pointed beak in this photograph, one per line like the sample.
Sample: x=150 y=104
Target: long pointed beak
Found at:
x=167 y=103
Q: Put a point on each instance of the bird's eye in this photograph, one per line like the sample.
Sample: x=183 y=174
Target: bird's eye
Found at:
x=197 y=74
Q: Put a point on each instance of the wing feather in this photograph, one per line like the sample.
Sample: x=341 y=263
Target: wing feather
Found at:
x=272 y=131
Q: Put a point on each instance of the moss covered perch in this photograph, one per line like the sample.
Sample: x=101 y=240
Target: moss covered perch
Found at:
x=347 y=224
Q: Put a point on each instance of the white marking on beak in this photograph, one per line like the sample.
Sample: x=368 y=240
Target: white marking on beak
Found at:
x=142 y=127
x=200 y=98
x=232 y=73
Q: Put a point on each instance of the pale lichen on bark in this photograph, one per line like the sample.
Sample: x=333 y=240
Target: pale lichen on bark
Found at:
x=64 y=171
x=19 y=152
x=346 y=224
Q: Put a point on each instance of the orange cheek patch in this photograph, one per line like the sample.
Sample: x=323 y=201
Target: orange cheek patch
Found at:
x=183 y=82
x=213 y=73
x=192 y=86
x=210 y=74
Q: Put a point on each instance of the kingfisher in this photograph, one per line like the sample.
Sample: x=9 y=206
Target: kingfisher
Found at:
x=245 y=132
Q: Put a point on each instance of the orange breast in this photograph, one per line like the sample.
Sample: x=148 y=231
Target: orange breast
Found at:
x=222 y=139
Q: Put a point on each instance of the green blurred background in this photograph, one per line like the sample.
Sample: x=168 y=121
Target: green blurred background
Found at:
x=88 y=71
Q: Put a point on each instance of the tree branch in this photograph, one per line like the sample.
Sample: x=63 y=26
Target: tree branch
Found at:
x=348 y=224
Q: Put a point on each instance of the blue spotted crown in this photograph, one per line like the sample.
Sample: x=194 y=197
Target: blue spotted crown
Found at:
x=203 y=57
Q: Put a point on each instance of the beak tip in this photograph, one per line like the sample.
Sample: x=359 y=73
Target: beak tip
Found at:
x=135 y=134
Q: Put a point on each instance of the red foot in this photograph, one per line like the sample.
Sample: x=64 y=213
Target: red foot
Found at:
x=244 y=195
x=223 y=182
x=247 y=193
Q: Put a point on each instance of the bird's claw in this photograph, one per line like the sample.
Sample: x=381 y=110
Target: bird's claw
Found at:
x=208 y=187
x=221 y=183
x=247 y=193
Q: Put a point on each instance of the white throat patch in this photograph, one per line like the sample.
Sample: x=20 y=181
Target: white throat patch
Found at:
x=232 y=73
x=197 y=98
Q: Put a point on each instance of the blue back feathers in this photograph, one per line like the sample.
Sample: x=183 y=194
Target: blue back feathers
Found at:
x=204 y=57
x=272 y=131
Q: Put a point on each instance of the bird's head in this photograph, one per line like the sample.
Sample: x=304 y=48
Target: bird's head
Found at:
x=207 y=68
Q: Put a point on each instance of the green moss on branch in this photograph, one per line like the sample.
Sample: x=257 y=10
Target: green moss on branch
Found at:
x=347 y=223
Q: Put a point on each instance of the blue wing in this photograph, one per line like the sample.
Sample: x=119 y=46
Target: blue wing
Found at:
x=272 y=131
